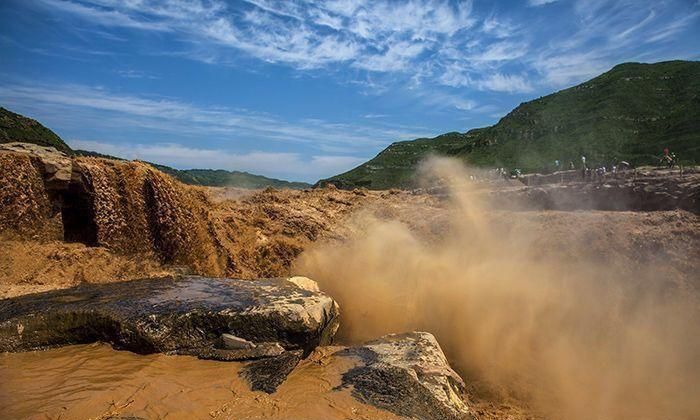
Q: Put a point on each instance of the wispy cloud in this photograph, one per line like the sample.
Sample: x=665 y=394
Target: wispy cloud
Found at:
x=416 y=41
x=135 y=74
x=498 y=82
x=172 y=115
x=505 y=83
x=539 y=2
x=608 y=32
x=329 y=143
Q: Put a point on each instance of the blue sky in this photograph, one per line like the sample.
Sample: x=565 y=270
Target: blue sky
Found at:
x=306 y=89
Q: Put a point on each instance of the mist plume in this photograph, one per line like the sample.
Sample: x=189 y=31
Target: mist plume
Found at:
x=574 y=338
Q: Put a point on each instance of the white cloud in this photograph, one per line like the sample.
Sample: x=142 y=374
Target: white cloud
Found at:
x=441 y=99
x=539 y=2
x=172 y=115
x=378 y=36
x=609 y=32
x=287 y=165
x=236 y=129
x=435 y=43
x=505 y=83
x=498 y=28
x=565 y=69
x=456 y=76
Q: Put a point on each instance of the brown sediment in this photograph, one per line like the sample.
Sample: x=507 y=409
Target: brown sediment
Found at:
x=94 y=381
x=33 y=266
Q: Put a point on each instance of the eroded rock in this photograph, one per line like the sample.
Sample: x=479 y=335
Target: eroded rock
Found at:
x=57 y=167
x=267 y=374
x=261 y=350
x=185 y=316
x=408 y=375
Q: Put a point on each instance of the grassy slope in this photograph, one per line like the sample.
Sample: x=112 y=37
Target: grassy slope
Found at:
x=631 y=112
x=15 y=127
x=222 y=178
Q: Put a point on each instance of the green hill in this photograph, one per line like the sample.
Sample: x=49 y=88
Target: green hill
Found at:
x=632 y=113
x=214 y=177
x=222 y=178
x=15 y=127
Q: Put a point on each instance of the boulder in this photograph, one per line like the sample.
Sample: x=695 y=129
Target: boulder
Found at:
x=184 y=316
x=57 y=167
x=408 y=375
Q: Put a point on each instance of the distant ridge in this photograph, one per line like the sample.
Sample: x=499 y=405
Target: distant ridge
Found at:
x=222 y=178
x=631 y=112
x=16 y=127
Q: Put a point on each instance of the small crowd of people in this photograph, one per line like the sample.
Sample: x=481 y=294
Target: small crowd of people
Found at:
x=505 y=174
x=588 y=173
x=598 y=172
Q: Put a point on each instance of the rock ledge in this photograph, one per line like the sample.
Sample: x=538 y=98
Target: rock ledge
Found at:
x=185 y=316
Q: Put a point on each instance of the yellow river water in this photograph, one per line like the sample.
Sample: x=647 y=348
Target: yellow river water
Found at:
x=96 y=382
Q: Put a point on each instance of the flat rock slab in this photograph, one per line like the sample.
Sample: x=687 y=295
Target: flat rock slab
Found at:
x=408 y=375
x=184 y=316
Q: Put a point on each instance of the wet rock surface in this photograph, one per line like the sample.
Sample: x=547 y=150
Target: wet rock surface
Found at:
x=268 y=374
x=184 y=316
x=232 y=355
x=408 y=375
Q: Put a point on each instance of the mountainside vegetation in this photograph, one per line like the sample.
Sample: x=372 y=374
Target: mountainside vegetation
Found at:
x=222 y=178
x=18 y=128
x=630 y=113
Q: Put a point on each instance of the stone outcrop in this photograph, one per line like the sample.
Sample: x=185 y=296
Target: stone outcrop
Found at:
x=126 y=207
x=185 y=316
x=408 y=375
x=57 y=167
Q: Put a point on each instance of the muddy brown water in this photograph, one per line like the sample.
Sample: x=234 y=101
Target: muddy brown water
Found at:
x=95 y=382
